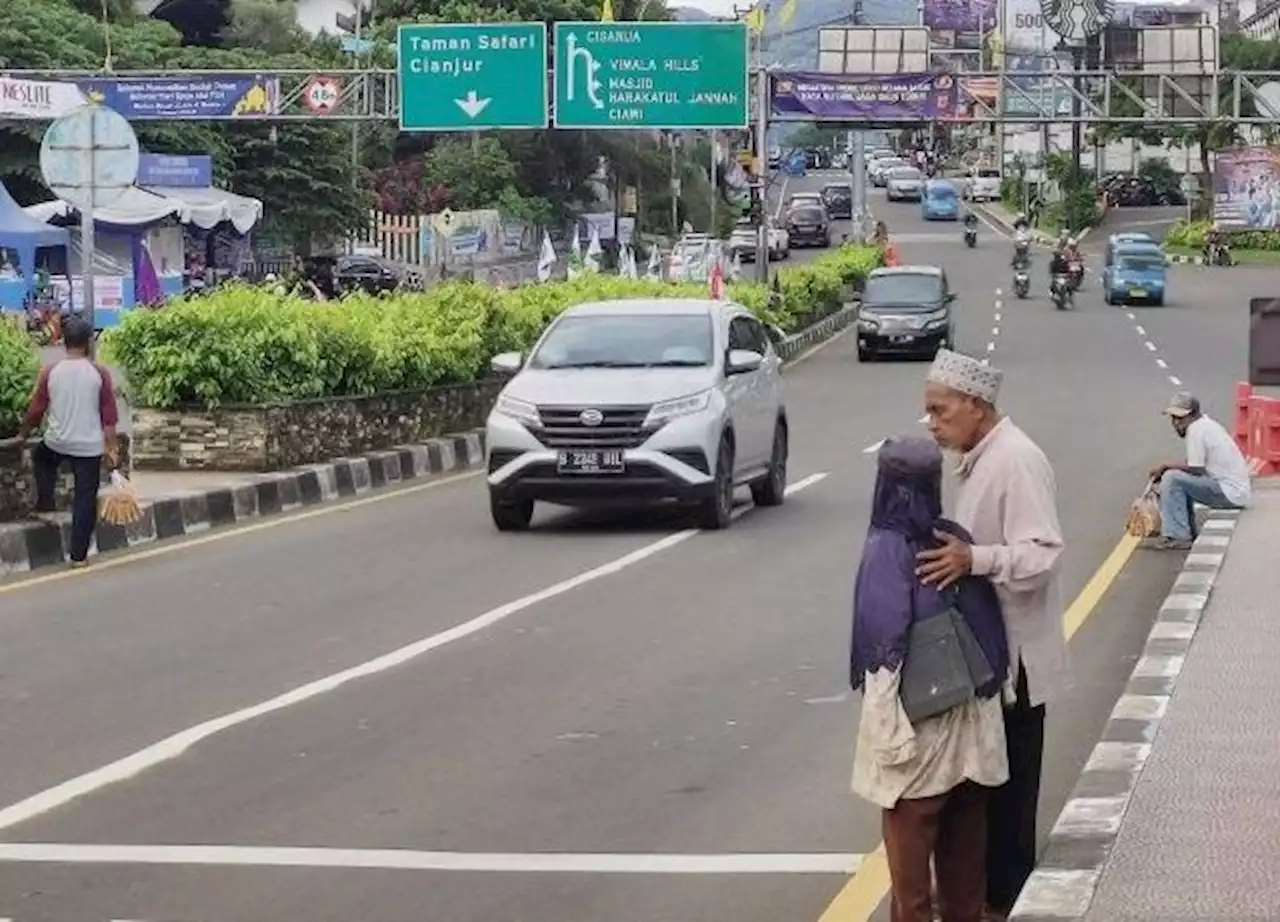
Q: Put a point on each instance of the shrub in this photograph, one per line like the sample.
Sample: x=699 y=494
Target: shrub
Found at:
x=19 y=365
x=1192 y=235
x=245 y=345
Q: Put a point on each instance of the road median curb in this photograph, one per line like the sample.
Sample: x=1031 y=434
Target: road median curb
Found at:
x=27 y=546
x=1063 y=885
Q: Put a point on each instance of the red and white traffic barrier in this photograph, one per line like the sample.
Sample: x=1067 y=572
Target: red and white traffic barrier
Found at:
x=1257 y=430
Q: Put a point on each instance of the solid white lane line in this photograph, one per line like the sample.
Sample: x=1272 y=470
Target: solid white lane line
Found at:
x=398 y=859
x=1151 y=347
x=174 y=746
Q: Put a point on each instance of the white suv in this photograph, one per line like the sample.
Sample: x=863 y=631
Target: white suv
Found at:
x=625 y=402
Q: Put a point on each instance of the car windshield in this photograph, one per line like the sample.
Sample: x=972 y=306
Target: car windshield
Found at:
x=1140 y=263
x=806 y=215
x=837 y=192
x=943 y=191
x=907 y=173
x=626 y=341
x=904 y=290
x=988 y=174
x=889 y=163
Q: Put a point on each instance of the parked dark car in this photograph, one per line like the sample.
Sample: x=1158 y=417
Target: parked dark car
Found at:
x=364 y=273
x=809 y=226
x=905 y=310
x=838 y=198
x=1133 y=191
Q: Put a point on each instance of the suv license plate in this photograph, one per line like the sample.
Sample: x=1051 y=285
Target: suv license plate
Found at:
x=1137 y=292
x=901 y=339
x=592 y=461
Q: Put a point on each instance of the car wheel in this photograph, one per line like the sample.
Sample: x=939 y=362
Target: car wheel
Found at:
x=1106 y=297
x=716 y=511
x=512 y=516
x=772 y=489
x=865 y=355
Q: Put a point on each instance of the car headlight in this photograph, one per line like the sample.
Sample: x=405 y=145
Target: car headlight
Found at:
x=520 y=410
x=870 y=324
x=935 y=320
x=668 y=410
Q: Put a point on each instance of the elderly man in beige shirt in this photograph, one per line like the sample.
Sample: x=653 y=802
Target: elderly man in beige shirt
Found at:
x=1007 y=500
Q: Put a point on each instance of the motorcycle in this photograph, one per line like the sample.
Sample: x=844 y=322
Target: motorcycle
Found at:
x=1075 y=274
x=1021 y=281
x=971 y=237
x=1060 y=291
x=1218 y=255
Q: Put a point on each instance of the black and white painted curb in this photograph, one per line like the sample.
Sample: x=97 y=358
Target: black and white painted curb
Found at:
x=32 y=545
x=27 y=546
x=1063 y=885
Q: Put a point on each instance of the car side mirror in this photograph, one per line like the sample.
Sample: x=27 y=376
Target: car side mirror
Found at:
x=776 y=333
x=949 y=297
x=507 y=363
x=741 y=361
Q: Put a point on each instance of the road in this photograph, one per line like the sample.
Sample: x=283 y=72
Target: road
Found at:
x=545 y=727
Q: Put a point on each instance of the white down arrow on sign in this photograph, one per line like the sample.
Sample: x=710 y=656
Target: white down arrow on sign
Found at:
x=472 y=105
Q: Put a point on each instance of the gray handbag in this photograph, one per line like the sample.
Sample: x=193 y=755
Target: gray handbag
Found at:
x=944 y=665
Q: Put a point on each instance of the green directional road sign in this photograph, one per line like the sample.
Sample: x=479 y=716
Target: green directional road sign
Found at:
x=651 y=75
x=468 y=77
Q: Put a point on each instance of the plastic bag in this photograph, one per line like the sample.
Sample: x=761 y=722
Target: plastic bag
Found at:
x=119 y=504
x=1144 y=520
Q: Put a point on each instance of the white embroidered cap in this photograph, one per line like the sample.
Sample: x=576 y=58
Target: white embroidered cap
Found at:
x=966 y=374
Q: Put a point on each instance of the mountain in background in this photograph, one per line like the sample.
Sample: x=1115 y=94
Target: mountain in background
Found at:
x=689 y=14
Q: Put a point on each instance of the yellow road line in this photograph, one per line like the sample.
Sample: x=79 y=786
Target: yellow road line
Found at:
x=858 y=900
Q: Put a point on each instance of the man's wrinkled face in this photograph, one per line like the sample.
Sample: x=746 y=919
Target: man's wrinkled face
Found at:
x=955 y=419
x=1180 y=424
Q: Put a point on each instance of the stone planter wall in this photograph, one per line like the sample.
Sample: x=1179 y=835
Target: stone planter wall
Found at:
x=271 y=438
x=18 y=491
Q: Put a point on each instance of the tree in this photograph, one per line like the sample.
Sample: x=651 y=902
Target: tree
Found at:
x=313 y=186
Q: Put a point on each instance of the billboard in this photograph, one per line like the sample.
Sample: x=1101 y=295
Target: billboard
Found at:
x=959 y=24
x=1246 y=188
x=860 y=97
x=197 y=96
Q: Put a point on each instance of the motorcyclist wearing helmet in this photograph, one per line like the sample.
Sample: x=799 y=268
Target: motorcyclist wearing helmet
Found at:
x=1021 y=249
x=1020 y=223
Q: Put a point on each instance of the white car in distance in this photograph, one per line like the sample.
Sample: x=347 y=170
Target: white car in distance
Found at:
x=905 y=184
x=982 y=184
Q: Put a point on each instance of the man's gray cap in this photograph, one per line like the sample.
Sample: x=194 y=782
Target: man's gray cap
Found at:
x=1183 y=404
x=966 y=374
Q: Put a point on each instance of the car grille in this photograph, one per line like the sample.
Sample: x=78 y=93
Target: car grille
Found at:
x=622 y=427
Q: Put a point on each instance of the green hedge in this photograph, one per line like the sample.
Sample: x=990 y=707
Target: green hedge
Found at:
x=19 y=364
x=1192 y=235
x=247 y=345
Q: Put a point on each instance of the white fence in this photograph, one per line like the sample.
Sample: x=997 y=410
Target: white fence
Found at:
x=457 y=238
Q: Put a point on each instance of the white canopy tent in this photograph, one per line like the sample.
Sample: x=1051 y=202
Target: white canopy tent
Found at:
x=205 y=208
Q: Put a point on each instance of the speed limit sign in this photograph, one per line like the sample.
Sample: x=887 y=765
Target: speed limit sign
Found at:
x=321 y=94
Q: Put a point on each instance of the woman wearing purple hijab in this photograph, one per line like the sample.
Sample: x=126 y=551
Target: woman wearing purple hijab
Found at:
x=931 y=778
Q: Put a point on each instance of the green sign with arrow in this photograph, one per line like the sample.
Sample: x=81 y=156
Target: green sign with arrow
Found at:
x=472 y=76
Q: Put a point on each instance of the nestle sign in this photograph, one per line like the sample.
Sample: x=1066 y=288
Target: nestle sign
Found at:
x=37 y=99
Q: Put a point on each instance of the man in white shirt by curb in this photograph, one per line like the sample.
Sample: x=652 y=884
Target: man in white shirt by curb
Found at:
x=1215 y=473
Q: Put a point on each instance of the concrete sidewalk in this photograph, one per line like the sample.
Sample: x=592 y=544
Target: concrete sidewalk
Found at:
x=1176 y=814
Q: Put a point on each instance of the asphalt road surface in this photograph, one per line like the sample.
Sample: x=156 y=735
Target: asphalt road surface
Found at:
x=387 y=710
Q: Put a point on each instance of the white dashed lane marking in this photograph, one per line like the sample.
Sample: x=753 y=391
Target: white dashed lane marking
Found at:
x=1150 y=345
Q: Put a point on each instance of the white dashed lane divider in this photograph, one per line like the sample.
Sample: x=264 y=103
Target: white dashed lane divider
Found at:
x=1149 y=344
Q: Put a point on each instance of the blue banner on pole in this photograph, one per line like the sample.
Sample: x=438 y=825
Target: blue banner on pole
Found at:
x=187 y=171
x=197 y=96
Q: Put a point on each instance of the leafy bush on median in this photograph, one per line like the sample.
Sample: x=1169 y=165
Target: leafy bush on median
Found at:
x=1191 y=235
x=247 y=345
x=19 y=364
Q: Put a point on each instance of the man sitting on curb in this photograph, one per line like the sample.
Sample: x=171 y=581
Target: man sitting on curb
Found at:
x=1215 y=474
x=75 y=398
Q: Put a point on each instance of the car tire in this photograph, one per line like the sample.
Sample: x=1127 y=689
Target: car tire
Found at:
x=510 y=516
x=771 y=490
x=716 y=511
x=1106 y=298
x=865 y=355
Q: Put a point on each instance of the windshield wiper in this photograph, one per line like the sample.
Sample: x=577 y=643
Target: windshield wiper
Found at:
x=678 y=363
x=599 y=364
